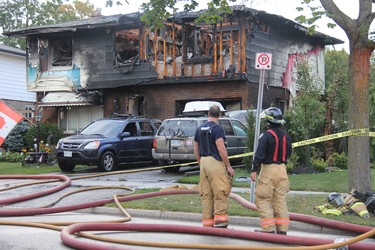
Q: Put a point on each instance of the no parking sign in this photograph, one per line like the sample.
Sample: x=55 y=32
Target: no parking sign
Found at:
x=263 y=61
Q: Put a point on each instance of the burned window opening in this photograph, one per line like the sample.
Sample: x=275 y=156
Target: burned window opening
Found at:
x=127 y=49
x=43 y=54
x=199 y=45
x=62 y=51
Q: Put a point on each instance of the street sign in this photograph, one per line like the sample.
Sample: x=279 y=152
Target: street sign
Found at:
x=263 y=61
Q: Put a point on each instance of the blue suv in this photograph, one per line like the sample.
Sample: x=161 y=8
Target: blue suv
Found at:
x=109 y=142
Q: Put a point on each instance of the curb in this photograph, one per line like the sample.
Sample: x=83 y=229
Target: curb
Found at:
x=189 y=217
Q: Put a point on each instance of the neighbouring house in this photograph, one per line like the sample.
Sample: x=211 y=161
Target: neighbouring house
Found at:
x=13 y=81
x=82 y=70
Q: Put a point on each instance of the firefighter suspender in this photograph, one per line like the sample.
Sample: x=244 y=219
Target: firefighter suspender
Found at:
x=276 y=153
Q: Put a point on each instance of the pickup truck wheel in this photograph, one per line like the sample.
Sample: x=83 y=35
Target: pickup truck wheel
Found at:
x=66 y=166
x=107 y=162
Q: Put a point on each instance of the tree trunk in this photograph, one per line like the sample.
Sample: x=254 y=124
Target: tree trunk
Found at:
x=359 y=154
x=328 y=145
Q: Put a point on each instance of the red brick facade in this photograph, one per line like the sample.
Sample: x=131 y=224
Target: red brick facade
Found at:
x=168 y=100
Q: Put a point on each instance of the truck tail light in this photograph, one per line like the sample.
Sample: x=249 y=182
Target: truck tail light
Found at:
x=154 y=144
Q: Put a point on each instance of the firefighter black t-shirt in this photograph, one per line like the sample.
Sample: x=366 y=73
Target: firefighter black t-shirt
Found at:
x=206 y=136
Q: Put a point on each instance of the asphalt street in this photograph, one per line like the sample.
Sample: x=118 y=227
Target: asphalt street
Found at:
x=21 y=237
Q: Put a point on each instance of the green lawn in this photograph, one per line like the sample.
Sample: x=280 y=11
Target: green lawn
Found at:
x=325 y=182
x=8 y=168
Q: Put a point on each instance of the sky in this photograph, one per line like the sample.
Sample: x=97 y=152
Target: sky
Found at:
x=285 y=8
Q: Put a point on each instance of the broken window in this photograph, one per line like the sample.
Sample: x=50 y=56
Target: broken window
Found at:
x=43 y=55
x=199 y=45
x=127 y=47
x=61 y=50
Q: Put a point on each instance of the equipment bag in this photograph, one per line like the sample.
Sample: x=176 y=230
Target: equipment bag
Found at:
x=370 y=204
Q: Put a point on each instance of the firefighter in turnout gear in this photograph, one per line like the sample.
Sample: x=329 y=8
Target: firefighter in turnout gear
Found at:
x=272 y=185
x=216 y=172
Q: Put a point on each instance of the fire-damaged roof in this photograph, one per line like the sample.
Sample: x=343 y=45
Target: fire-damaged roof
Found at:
x=133 y=20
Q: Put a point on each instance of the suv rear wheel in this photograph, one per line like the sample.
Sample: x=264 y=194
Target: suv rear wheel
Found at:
x=66 y=166
x=107 y=162
x=170 y=169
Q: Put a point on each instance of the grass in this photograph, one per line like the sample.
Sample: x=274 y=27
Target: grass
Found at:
x=10 y=168
x=297 y=203
x=323 y=182
x=191 y=203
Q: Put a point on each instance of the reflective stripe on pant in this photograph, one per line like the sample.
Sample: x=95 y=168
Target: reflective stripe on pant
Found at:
x=270 y=197
x=215 y=185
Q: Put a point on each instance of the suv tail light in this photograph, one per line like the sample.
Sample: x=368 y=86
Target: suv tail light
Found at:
x=154 y=144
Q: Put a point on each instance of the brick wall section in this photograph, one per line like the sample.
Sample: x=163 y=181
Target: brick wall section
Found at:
x=161 y=100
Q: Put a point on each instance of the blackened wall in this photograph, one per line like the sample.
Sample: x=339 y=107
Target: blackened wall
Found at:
x=161 y=100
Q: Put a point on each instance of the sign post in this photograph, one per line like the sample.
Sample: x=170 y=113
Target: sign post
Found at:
x=263 y=61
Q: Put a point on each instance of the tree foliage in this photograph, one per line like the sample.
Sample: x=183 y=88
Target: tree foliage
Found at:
x=15 y=141
x=306 y=116
x=305 y=119
x=361 y=48
x=18 y=14
x=372 y=106
x=336 y=100
x=337 y=86
x=46 y=132
x=250 y=135
x=155 y=12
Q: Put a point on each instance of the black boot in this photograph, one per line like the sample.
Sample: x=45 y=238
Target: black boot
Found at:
x=260 y=231
x=281 y=232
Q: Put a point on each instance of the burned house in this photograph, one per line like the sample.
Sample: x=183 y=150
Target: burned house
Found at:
x=83 y=70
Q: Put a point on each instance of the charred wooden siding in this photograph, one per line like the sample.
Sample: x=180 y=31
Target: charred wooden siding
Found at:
x=287 y=48
x=92 y=53
x=101 y=56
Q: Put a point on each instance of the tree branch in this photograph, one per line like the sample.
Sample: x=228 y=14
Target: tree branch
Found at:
x=337 y=15
x=365 y=16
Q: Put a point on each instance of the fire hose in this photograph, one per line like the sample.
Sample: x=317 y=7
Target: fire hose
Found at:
x=76 y=228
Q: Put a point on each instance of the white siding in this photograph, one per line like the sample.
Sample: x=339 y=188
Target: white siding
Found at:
x=76 y=118
x=13 y=78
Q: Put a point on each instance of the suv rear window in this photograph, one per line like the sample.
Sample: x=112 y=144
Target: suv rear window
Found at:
x=181 y=128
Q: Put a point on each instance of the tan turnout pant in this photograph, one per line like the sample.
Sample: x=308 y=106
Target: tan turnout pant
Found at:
x=270 y=197
x=215 y=184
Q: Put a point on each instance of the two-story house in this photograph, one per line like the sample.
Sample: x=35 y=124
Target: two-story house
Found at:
x=82 y=70
x=13 y=81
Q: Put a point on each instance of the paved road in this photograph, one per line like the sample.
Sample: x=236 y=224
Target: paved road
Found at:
x=17 y=237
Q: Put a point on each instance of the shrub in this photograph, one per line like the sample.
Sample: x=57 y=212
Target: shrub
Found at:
x=340 y=160
x=48 y=134
x=250 y=119
x=11 y=157
x=318 y=164
x=292 y=162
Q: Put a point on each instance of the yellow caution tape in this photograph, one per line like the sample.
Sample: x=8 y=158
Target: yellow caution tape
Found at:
x=354 y=132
